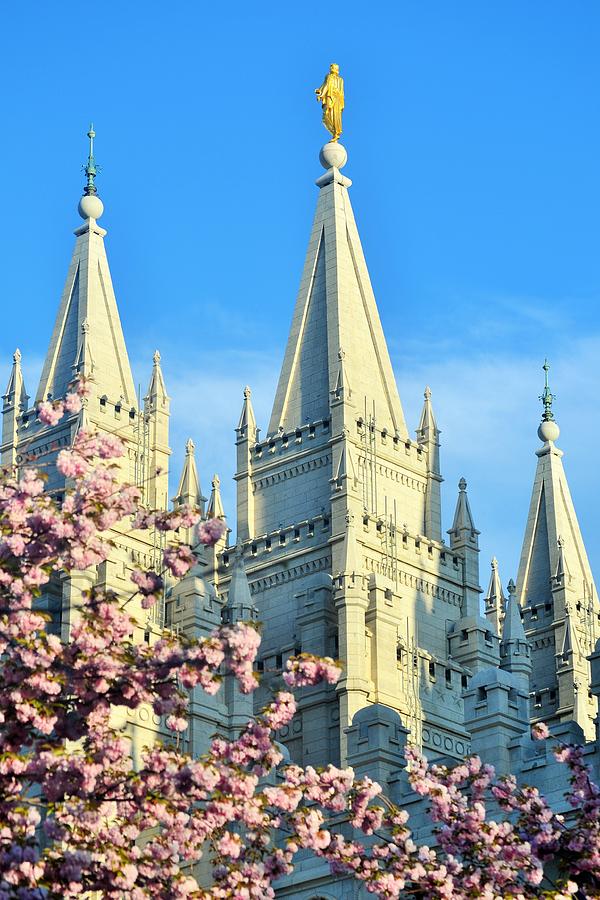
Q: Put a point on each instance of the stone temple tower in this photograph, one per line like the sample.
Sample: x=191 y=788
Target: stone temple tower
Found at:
x=339 y=517
x=88 y=341
x=556 y=590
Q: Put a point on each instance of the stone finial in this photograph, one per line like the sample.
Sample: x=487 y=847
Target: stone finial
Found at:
x=462 y=485
x=427 y=393
x=247 y=393
x=17 y=356
x=189 y=447
x=85 y=326
x=494 y=563
x=156 y=357
x=511 y=587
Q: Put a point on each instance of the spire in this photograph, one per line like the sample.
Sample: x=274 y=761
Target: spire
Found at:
x=427 y=424
x=88 y=300
x=428 y=437
x=215 y=504
x=494 y=599
x=239 y=599
x=157 y=393
x=515 y=652
x=15 y=394
x=463 y=527
x=335 y=308
x=551 y=523
x=189 y=492
x=513 y=629
x=548 y=586
x=247 y=425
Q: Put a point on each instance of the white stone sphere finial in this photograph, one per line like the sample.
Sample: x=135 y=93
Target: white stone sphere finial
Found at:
x=548 y=431
x=333 y=155
x=90 y=206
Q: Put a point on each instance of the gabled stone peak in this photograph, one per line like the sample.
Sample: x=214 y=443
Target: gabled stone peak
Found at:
x=239 y=599
x=513 y=629
x=156 y=394
x=494 y=599
x=215 y=504
x=15 y=394
x=335 y=309
x=427 y=429
x=463 y=527
x=246 y=428
x=189 y=492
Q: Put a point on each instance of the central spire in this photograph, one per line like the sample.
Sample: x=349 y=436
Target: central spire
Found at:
x=336 y=308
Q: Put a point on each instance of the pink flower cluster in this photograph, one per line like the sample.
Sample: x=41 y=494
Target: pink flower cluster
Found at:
x=307 y=669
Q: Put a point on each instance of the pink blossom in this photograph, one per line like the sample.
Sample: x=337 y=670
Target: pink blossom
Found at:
x=540 y=731
x=178 y=560
x=50 y=413
x=210 y=532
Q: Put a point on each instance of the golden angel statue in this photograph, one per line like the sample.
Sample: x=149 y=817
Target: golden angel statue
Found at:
x=331 y=97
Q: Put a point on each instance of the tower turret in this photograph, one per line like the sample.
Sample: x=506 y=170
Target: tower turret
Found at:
x=246 y=437
x=157 y=405
x=189 y=492
x=515 y=652
x=556 y=589
x=15 y=401
x=428 y=437
x=465 y=538
x=494 y=599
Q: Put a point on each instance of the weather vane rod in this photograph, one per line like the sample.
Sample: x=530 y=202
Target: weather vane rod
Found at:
x=91 y=169
x=547 y=397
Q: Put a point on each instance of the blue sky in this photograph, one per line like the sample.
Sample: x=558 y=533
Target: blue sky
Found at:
x=474 y=146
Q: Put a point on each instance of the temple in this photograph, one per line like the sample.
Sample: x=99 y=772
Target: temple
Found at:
x=339 y=544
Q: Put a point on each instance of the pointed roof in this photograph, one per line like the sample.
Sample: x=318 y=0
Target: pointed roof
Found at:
x=513 y=629
x=551 y=524
x=88 y=297
x=189 y=492
x=463 y=525
x=215 y=504
x=15 y=390
x=427 y=429
x=157 y=392
x=239 y=598
x=494 y=598
x=515 y=651
x=247 y=424
x=494 y=591
x=335 y=308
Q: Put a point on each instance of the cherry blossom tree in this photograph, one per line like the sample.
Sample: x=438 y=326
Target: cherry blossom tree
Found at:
x=77 y=817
